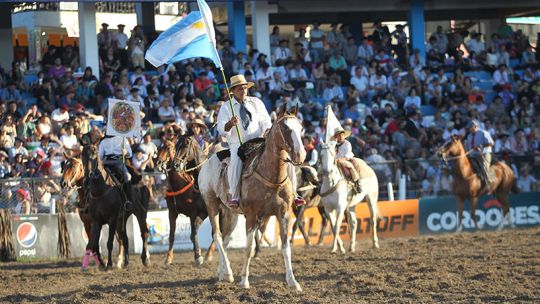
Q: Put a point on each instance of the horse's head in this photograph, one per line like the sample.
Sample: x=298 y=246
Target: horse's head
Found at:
x=328 y=157
x=286 y=135
x=73 y=172
x=187 y=150
x=452 y=148
x=166 y=154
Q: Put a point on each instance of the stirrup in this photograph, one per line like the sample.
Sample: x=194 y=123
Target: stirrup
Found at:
x=299 y=201
x=234 y=203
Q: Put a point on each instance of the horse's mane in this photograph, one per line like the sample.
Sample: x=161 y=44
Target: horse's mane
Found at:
x=186 y=142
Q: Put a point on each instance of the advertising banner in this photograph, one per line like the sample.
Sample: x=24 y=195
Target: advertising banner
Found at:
x=35 y=236
x=400 y=219
x=439 y=215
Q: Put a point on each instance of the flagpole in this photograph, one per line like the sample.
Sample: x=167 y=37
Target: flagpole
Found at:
x=211 y=37
x=230 y=103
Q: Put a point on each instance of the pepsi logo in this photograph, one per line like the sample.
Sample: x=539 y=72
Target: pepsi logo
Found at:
x=27 y=234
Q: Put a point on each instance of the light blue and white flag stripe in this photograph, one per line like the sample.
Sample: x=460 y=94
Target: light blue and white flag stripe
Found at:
x=186 y=39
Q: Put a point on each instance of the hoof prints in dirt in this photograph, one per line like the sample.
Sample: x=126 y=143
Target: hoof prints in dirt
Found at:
x=480 y=267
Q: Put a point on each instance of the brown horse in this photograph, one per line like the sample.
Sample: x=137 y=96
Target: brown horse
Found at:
x=182 y=196
x=467 y=184
x=73 y=178
x=266 y=191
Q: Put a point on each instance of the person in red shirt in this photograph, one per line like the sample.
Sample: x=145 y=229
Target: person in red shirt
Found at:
x=201 y=84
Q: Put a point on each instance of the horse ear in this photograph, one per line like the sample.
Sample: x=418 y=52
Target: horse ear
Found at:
x=293 y=111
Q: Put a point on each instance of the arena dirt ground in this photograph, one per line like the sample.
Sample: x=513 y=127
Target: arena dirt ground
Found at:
x=476 y=267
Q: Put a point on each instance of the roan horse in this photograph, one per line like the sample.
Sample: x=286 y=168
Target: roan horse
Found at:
x=106 y=206
x=467 y=184
x=182 y=196
x=266 y=190
x=337 y=198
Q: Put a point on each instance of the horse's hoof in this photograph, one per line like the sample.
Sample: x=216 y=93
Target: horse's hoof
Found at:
x=376 y=245
x=295 y=286
x=352 y=250
x=209 y=258
x=342 y=250
x=84 y=269
x=199 y=261
x=479 y=226
x=229 y=278
x=146 y=263
x=334 y=251
x=244 y=283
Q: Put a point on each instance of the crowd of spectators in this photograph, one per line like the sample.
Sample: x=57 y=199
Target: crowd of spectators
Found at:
x=398 y=104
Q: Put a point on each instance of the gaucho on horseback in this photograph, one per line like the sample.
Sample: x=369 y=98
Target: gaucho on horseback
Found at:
x=480 y=143
x=115 y=151
x=253 y=121
x=344 y=155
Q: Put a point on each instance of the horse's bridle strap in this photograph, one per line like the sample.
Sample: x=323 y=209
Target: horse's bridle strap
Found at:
x=182 y=190
x=268 y=183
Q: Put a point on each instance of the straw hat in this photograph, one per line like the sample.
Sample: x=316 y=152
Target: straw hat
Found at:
x=339 y=130
x=237 y=80
x=198 y=122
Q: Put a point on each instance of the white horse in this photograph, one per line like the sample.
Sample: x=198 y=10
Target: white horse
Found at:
x=337 y=197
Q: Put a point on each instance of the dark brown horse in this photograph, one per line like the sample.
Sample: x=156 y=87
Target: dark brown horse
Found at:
x=467 y=184
x=72 y=178
x=182 y=196
x=106 y=206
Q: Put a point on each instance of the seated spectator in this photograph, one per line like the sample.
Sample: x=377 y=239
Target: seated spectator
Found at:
x=59 y=117
x=18 y=148
x=365 y=51
x=23 y=205
x=502 y=144
x=5 y=168
x=239 y=62
x=518 y=143
x=526 y=182
x=412 y=101
x=57 y=71
x=201 y=84
x=283 y=52
x=166 y=112
x=332 y=92
x=298 y=76
x=11 y=94
x=135 y=97
x=377 y=83
x=492 y=59
x=140 y=160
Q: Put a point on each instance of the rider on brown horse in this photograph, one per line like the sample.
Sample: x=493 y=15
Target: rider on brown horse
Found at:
x=115 y=153
x=480 y=143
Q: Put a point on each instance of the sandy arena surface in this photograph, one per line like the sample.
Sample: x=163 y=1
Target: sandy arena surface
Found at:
x=465 y=268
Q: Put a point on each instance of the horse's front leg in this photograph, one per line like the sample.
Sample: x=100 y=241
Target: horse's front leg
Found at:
x=284 y=222
x=460 y=203
x=474 y=203
x=251 y=229
x=195 y=223
x=110 y=243
x=353 y=224
x=172 y=224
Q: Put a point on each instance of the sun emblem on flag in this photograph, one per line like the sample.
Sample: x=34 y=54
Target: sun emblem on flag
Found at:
x=123 y=117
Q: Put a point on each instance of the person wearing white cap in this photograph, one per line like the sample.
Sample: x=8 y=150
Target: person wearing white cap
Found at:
x=343 y=155
x=252 y=121
x=480 y=143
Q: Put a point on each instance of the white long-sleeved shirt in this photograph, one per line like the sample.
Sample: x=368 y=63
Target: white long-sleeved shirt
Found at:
x=113 y=146
x=260 y=120
x=344 y=150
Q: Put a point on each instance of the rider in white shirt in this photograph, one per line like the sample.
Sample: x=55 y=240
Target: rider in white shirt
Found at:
x=114 y=151
x=344 y=155
x=252 y=121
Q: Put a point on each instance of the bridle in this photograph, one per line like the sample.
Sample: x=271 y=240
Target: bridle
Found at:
x=280 y=133
x=332 y=183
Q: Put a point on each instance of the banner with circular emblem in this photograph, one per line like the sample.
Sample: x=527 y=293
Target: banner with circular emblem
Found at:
x=123 y=118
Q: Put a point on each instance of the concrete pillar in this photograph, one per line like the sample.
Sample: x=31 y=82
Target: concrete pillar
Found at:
x=260 y=22
x=6 y=34
x=236 y=19
x=88 y=49
x=417 y=26
x=146 y=16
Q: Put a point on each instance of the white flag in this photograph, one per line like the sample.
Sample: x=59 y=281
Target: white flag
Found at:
x=123 y=118
x=332 y=124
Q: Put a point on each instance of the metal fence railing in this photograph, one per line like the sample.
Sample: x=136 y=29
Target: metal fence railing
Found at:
x=409 y=178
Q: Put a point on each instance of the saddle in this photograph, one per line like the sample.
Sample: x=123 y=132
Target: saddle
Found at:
x=246 y=151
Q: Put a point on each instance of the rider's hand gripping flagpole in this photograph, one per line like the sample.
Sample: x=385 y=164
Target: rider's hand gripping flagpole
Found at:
x=207 y=20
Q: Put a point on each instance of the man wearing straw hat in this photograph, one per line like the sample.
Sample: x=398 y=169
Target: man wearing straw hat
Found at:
x=343 y=156
x=251 y=119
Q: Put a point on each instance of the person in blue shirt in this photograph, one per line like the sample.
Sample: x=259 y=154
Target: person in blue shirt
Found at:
x=480 y=143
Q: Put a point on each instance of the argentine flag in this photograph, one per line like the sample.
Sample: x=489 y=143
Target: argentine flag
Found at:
x=186 y=39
